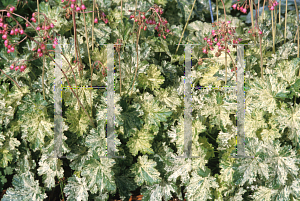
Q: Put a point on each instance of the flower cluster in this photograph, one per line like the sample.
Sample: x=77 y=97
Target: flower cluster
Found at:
x=102 y=17
x=22 y=68
x=161 y=23
x=272 y=4
x=222 y=34
x=242 y=8
x=6 y=30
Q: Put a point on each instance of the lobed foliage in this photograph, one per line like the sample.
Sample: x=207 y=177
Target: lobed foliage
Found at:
x=149 y=124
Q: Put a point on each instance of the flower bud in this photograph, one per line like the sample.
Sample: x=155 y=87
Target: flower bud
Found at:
x=52 y=25
x=96 y=21
x=17 y=68
x=21 y=31
x=8 y=15
x=83 y=7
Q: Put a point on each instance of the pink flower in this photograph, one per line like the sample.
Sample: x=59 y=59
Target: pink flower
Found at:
x=260 y=32
x=228 y=22
x=204 y=51
x=83 y=7
x=218 y=44
x=52 y=25
x=216 y=39
x=228 y=50
x=205 y=38
x=234 y=6
x=272 y=8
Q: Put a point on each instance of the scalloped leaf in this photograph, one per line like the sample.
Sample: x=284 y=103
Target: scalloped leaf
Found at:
x=25 y=189
x=144 y=171
x=76 y=189
x=99 y=175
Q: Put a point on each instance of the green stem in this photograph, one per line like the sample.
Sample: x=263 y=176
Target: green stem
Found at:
x=285 y=20
x=252 y=20
x=217 y=11
x=11 y=79
x=88 y=49
x=38 y=7
x=134 y=20
x=225 y=62
x=262 y=15
x=43 y=77
x=297 y=27
x=93 y=25
x=137 y=58
x=91 y=121
x=273 y=32
x=185 y=26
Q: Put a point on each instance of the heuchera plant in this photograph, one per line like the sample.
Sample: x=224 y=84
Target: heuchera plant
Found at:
x=150 y=122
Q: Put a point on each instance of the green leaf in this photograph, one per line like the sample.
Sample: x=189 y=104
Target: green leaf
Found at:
x=50 y=168
x=78 y=121
x=25 y=188
x=9 y=150
x=141 y=141
x=158 y=191
x=144 y=171
x=153 y=113
x=152 y=79
x=99 y=175
x=168 y=97
x=32 y=117
x=76 y=189
x=199 y=188
x=131 y=116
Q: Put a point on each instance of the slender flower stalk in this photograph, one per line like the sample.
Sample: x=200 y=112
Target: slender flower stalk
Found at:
x=93 y=25
x=43 y=77
x=217 y=11
x=88 y=49
x=186 y=25
x=285 y=20
x=297 y=29
x=251 y=13
x=91 y=121
x=273 y=33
